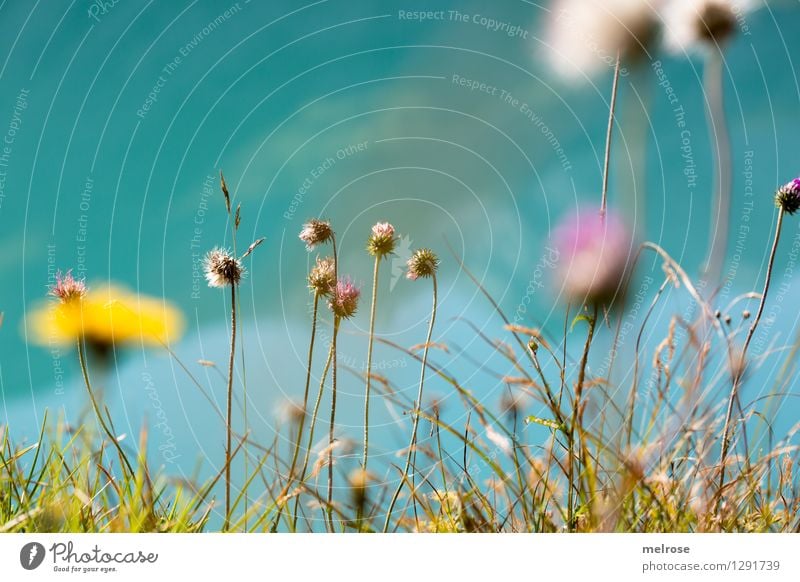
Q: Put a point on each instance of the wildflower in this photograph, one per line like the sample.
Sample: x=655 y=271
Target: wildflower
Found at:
x=105 y=317
x=699 y=24
x=423 y=263
x=382 y=240
x=595 y=250
x=585 y=36
x=222 y=268
x=344 y=302
x=788 y=197
x=316 y=232
x=67 y=289
x=322 y=278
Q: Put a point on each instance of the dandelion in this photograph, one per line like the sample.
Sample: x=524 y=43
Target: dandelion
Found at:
x=82 y=318
x=316 y=232
x=380 y=244
x=423 y=264
x=585 y=36
x=103 y=318
x=594 y=253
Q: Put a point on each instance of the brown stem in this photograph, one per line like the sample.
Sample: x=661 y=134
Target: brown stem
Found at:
x=740 y=370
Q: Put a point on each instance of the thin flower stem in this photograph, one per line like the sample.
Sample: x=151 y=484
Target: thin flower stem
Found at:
x=410 y=454
x=311 y=428
x=96 y=407
x=720 y=215
x=576 y=424
x=737 y=378
x=369 y=360
x=301 y=424
x=229 y=413
x=336 y=322
x=609 y=135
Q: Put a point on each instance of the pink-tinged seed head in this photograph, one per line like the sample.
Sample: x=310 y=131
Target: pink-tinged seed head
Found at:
x=344 y=302
x=67 y=289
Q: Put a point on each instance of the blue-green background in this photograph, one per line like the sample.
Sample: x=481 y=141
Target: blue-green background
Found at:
x=275 y=90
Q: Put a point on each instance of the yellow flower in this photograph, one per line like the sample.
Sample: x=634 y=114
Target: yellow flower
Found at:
x=106 y=317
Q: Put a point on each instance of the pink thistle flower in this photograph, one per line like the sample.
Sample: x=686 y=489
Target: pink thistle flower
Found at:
x=344 y=302
x=594 y=254
x=788 y=197
x=382 y=241
x=67 y=289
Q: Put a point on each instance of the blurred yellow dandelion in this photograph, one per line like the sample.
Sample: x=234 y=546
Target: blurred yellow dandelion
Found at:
x=105 y=317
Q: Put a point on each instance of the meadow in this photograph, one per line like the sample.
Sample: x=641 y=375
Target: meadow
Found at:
x=582 y=439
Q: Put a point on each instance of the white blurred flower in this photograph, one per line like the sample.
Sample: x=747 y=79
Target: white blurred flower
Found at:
x=585 y=35
x=692 y=25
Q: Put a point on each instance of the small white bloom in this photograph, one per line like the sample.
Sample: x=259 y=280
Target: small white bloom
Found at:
x=584 y=36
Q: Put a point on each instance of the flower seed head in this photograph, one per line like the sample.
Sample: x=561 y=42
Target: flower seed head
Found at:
x=382 y=241
x=222 y=268
x=67 y=289
x=701 y=24
x=316 y=232
x=344 y=302
x=423 y=263
x=788 y=197
x=322 y=278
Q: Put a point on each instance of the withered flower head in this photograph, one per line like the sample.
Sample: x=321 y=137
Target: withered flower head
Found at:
x=423 y=263
x=322 y=278
x=222 y=268
x=316 y=232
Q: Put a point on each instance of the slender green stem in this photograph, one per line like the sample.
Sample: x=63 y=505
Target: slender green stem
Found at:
x=609 y=134
x=96 y=407
x=336 y=322
x=311 y=428
x=576 y=423
x=302 y=421
x=229 y=413
x=369 y=360
x=410 y=454
x=740 y=367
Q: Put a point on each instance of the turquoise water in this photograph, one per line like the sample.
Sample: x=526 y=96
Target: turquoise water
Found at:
x=120 y=115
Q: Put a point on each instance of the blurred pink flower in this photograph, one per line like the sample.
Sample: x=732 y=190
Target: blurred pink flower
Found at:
x=594 y=255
